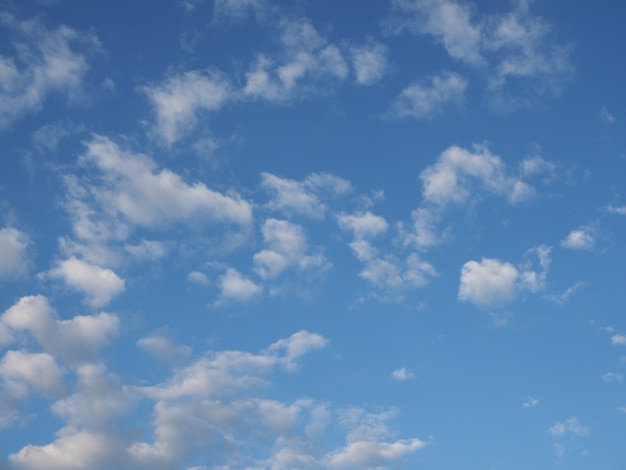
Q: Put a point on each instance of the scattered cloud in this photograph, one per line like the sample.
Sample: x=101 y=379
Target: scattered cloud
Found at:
x=583 y=238
x=616 y=210
x=162 y=347
x=564 y=296
x=13 y=253
x=530 y=403
x=613 y=377
x=180 y=98
x=44 y=62
x=607 y=117
x=618 y=340
x=234 y=286
x=402 y=374
x=421 y=100
x=240 y=10
x=570 y=426
x=369 y=62
x=100 y=285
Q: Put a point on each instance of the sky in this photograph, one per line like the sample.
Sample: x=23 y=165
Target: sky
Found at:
x=311 y=234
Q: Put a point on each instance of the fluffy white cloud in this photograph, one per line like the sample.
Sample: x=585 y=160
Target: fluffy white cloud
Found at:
x=458 y=172
x=21 y=370
x=618 y=340
x=364 y=226
x=44 y=62
x=286 y=247
x=372 y=454
x=144 y=195
x=402 y=374
x=147 y=250
x=616 y=210
x=75 y=340
x=100 y=285
x=570 y=426
x=424 y=100
x=180 y=98
x=307 y=55
x=297 y=345
x=303 y=197
x=234 y=286
x=13 y=253
x=583 y=238
x=369 y=62
x=490 y=282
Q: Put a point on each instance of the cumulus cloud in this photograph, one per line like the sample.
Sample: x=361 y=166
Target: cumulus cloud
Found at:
x=74 y=340
x=22 y=371
x=369 y=62
x=100 y=285
x=234 y=286
x=616 y=210
x=530 y=403
x=297 y=345
x=13 y=253
x=306 y=56
x=421 y=100
x=364 y=226
x=164 y=348
x=285 y=248
x=570 y=426
x=613 y=377
x=43 y=62
x=459 y=172
x=520 y=60
x=619 y=340
x=303 y=197
x=495 y=283
x=583 y=238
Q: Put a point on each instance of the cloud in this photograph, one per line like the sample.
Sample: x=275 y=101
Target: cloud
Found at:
x=306 y=56
x=619 y=340
x=372 y=454
x=164 y=348
x=459 y=172
x=303 y=197
x=13 y=253
x=613 y=377
x=234 y=286
x=488 y=283
x=180 y=98
x=583 y=238
x=570 y=426
x=607 y=117
x=425 y=100
x=369 y=62
x=616 y=210
x=364 y=226
x=285 y=248
x=297 y=345
x=402 y=374
x=44 y=62
x=493 y=283
x=199 y=278
x=100 y=285
x=239 y=10
x=75 y=340
x=564 y=296
x=21 y=371
x=530 y=403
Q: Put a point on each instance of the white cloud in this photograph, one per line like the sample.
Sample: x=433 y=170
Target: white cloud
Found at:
x=583 y=238
x=369 y=62
x=22 y=370
x=448 y=21
x=147 y=250
x=303 y=197
x=564 y=296
x=286 y=248
x=136 y=189
x=307 y=56
x=424 y=233
x=164 y=348
x=613 y=377
x=45 y=62
x=607 y=117
x=536 y=165
x=372 y=454
x=180 y=98
x=364 y=226
x=570 y=426
x=488 y=283
x=199 y=278
x=425 y=100
x=458 y=172
x=402 y=374
x=75 y=340
x=616 y=210
x=234 y=286
x=100 y=285
x=619 y=340
x=13 y=253
x=530 y=403
x=297 y=345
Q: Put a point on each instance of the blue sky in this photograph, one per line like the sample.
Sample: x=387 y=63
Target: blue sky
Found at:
x=254 y=234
